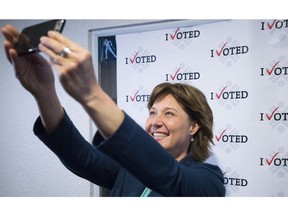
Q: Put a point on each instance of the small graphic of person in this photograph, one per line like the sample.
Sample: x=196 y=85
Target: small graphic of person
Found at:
x=108 y=46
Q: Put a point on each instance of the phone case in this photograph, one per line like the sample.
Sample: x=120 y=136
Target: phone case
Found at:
x=29 y=38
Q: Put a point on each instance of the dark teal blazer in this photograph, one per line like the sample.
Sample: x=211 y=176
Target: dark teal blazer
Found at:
x=130 y=160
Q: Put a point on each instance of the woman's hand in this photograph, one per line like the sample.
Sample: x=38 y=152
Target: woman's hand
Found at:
x=36 y=76
x=75 y=67
x=78 y=78
x=32 y=70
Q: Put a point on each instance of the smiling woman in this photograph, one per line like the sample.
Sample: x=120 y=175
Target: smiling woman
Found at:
x=143 y=60
x=124 y=158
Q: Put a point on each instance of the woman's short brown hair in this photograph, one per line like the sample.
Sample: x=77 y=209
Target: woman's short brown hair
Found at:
x=195 y=104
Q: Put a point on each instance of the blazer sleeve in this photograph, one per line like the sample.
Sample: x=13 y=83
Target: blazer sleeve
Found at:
x=141 y=155
x=78 y=155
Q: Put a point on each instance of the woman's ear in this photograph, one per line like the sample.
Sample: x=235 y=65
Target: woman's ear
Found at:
x=194 y=128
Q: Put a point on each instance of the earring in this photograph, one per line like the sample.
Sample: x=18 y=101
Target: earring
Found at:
x=192 y=139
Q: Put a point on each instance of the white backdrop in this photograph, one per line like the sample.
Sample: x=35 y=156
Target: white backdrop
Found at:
x=242 y=67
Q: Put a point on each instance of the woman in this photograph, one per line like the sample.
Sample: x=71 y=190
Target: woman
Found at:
x=124 y=158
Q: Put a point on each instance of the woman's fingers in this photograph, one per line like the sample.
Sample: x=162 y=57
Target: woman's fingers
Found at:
x=64 y=41
x=11 y=35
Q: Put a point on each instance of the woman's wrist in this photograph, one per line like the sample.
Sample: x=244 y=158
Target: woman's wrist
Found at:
x=104 y=112
x=50 y=109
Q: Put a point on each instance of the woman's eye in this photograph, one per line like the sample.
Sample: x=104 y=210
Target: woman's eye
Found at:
x=169 y=113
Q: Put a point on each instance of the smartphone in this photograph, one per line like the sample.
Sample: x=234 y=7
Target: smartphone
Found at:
x=29 y=38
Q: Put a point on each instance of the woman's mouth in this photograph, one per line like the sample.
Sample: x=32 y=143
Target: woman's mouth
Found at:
x=159 y=136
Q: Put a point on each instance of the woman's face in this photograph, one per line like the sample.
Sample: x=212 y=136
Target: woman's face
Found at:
x=171 y=126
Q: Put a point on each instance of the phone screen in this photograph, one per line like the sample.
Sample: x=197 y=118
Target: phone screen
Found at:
x=29 y=38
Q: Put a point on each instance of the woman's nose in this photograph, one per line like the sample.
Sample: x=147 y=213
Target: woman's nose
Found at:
x=157 y=121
